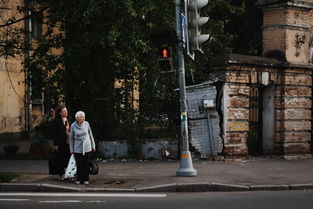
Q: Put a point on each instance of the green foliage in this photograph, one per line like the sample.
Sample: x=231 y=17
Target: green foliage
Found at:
x=101 y=41
x=7 y=177
x=235 y=26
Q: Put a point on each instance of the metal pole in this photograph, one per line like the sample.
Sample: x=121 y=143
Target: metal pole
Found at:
x=211 y=135
x=186 y=168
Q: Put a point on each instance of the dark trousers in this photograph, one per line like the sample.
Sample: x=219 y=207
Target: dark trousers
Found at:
x=82 y=166
x=63 y=156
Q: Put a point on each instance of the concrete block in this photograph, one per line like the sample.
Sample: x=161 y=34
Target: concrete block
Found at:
x=236 y=138
x=238 y=102
x=293 y=114
x=236 y=150
x=298 y=80
x=295 y=148
x=293 y=91
x=301 y=125
x=238 y=113
x=293 y=137
x=238 y=126
x=113 y=149
x=159 y=150
x=299 y=102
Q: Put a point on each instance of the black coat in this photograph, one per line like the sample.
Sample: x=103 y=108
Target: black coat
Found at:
x=59 y=134
x=60 y=140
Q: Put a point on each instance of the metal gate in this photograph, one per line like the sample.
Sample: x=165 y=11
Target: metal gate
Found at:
x=254 y=141
x=204 y=122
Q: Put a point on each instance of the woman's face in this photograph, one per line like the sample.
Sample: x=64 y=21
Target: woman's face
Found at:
x=63 y=112
x=80 y=119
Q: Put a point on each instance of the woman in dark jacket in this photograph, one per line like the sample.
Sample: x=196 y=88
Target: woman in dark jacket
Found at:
x=61 y=134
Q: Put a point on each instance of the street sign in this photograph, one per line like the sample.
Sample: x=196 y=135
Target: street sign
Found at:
x=184 y=30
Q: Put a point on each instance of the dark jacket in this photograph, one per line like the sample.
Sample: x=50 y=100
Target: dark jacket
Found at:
x=59 y=134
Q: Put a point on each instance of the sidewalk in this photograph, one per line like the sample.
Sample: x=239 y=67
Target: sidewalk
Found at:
x=160 y=176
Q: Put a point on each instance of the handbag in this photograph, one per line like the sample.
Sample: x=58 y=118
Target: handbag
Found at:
x=71 y=168
x=93 y=167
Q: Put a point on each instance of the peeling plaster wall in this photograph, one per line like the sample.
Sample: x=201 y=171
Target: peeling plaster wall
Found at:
x=12 y=94
x=12 y=91
x=150 y=149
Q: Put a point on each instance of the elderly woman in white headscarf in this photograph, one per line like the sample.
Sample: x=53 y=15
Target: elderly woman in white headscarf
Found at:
x=81 y=145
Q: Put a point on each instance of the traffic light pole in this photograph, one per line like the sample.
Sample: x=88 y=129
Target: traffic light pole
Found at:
x=186 y=167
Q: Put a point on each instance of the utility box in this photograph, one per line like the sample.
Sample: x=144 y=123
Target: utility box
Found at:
x=203 y=119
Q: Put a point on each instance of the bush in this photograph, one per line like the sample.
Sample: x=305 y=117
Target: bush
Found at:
x=7 y=177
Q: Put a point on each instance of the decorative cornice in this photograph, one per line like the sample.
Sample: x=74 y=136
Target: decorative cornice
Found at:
x=268 y=5
x=300 y=4
x=238 y=59
x=285 y=26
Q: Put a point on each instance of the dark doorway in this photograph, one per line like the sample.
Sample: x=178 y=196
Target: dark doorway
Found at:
x=254 y=141
x=268 y=119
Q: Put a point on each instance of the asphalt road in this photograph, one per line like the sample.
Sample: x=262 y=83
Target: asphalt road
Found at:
x=209 y=200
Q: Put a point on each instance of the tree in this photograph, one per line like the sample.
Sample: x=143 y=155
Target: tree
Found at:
x=88 y=44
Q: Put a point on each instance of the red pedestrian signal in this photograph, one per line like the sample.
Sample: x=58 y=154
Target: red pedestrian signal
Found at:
x=165 y=53
x=165 y=60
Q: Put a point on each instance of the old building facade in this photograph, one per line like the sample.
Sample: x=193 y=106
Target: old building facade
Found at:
x=12 y=80
x=267 y=102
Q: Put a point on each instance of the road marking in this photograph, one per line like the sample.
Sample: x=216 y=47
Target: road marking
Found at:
x=14 y=200
x=60 y=201
x=92 y=201
x=82 y=195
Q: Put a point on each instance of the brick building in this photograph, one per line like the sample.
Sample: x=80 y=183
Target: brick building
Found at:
x=267 y=102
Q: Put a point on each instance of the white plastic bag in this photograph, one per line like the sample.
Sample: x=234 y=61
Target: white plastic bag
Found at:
x=71 y=168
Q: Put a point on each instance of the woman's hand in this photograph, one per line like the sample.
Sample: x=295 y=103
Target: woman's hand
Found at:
x=94 y=150
x=56 y=148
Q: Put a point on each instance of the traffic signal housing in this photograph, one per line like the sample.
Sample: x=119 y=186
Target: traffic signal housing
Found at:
x=165 y=59
x=195 y=21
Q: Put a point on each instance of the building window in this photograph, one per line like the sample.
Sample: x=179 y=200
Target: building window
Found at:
x=36 y=26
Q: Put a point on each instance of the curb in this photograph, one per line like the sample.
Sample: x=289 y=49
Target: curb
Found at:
x=175 y=187
x=268 y=187
x=301 y=186
x=57 y=188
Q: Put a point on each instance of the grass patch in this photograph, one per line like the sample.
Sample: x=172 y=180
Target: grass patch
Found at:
x=8 y=177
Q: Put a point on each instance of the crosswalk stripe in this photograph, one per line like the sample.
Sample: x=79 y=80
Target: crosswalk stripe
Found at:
x=82 y=195
x=60 y=201
x=14 y=200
